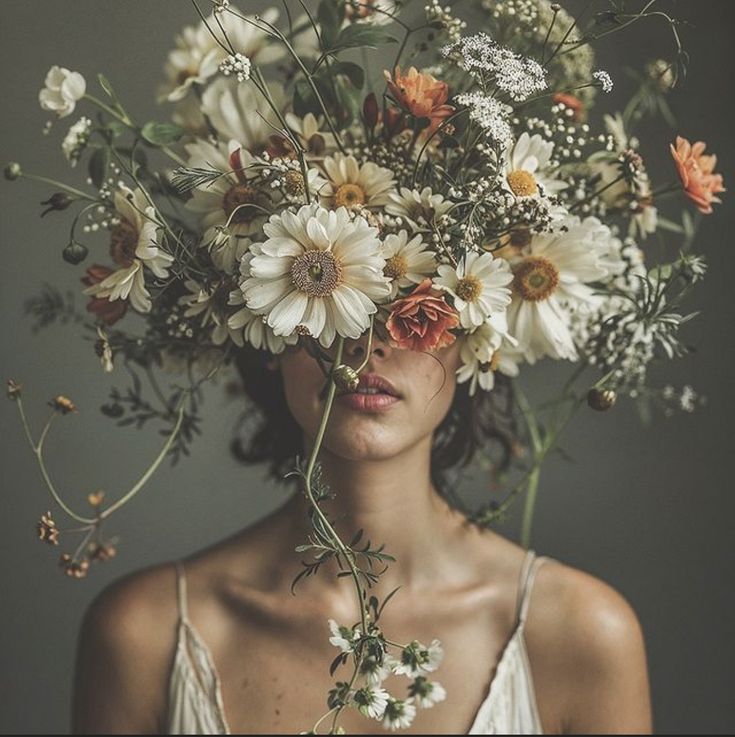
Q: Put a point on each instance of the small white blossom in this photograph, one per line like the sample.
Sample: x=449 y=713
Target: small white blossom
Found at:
x=343 y=637
x=604 y=80
x=417 y=658
x=371 y=701
x=63 y=89
x=426 y=692
x=489 y=113
x=399 y=713
x=236 y=64
x=75 y=141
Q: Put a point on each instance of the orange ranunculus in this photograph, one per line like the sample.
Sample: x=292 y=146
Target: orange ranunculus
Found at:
x=422 y=320
x=696 y=172
x=421 y=94
x=573 y=103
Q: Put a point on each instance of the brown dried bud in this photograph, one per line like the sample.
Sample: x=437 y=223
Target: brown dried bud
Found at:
x=370 y=111
x=95 y=498
x=601 y=399
x=63 y=404
x=48 y=532
x=57 y=201
x=74 y=568
x=13 y=389
x=102 y=552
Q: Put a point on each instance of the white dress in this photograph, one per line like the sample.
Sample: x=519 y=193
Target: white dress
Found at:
x=195 y=695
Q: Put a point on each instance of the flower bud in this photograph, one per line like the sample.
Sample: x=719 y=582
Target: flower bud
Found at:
x=57 y=201
x=370 y=111
x=63 y=405
x=601 y=399
x=346 y=378
x=74 y=253
x=13 y=389
x=13 y=171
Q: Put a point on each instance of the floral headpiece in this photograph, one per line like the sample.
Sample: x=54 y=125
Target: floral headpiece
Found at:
x=463 y=192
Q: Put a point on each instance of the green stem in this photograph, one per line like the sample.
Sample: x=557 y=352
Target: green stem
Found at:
x=529 y=505
x=65 y=187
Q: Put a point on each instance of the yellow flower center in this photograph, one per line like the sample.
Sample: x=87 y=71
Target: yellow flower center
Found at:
x=318 y=273
x=294 y=183
x=522 y=183
x=396 y=267
x=535 y=278
x=469 y=288
x=236 y=200
x=349 y=195
x=123 y=242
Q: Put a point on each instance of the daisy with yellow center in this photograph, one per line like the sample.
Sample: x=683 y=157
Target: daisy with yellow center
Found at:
x=551 y=280
x=527 y=167
x=319 y=272
x=407 y=262
x=478 y=285
x=350 y=184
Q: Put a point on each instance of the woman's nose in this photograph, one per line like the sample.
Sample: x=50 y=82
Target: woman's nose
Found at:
x=356 y=350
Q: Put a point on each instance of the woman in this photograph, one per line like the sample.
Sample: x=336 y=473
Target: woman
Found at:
x=530 y=645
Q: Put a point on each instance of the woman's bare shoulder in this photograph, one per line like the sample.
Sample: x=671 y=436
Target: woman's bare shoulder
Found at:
x=586 y=644
x=124 y=653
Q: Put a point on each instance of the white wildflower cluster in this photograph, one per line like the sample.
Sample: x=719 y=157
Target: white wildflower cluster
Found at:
x=517 y=76
x=489 y=113
x=237 y=64
x=685 y=400
x=371 y=699
x=441 y=17
x=604 y=80
x=76 y=139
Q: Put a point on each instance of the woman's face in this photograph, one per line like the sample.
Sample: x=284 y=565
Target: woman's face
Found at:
x=425 y=383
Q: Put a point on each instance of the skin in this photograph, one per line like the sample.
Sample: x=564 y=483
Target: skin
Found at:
x=458 y=584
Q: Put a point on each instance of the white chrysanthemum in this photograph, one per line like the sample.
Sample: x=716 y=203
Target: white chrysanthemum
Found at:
x=318 y=270
x=526 y=167
x=419 y=209
x=239 y=112
x=197 y=55
x=231 y=200
x=308 y=131
x=426 y=692
x=551 y=281
x=407 y=262
x=399 y=713
x=343 y=637
x=417 y=658
x=133 y=245
x=350 y=184
x=254 y=328
x=371 y=701
x=62 y=90
x=478 y=285
x=480 y=353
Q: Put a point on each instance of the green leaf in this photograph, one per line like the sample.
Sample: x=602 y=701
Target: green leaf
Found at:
x=361 y=35
x=161 y=134
x=354 y=72
x=116 y=128
x=330 y=19
x=106 y=86
x=98 y=163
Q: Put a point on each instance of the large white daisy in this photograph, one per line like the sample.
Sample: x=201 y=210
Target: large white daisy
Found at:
x=320 y=271
x=550 y=281
x=254 y=327
x=238 y=111
x=420 y=210
x=478 y=285
x=231 y=200
x=350 y=184
x=527 y=167
x=407 y=262
x=134 y=245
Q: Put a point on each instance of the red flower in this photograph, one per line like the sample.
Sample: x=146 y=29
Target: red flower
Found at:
x=422 y=320
x=106 y=311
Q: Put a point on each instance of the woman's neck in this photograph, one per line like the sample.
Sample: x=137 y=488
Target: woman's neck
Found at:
x=394 y=502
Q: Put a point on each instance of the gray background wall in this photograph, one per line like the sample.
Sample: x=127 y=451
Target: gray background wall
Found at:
x=648 y=510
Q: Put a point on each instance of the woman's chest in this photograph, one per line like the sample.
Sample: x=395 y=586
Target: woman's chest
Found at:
x=274 y=676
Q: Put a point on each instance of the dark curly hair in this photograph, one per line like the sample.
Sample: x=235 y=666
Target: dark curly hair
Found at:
x=268 y=433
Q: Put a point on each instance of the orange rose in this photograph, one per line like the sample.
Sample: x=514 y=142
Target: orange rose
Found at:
x=696 y=172
x=420 y=94
x=422 y=320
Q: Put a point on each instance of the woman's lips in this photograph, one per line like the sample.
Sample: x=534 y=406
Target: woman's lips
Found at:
x=368 y=402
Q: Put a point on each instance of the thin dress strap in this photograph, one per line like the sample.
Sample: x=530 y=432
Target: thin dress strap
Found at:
x=531 y=564
x=181 y=591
